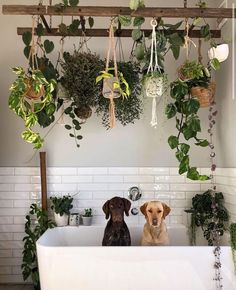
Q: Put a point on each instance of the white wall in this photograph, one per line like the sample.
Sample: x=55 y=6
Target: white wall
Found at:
x=134 y=145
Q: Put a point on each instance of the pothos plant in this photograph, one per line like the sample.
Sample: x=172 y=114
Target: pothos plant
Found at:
x=202 y=215
x=37 y=222
x=127 y=109
x=30 y=94
x=185 y=111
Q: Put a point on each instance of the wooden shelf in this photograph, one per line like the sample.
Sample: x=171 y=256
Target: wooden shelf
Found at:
x=123 y=32
x=105 y=11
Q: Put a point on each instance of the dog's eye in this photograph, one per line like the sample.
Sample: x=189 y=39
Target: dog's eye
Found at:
x=159 y=211
x=150 y=210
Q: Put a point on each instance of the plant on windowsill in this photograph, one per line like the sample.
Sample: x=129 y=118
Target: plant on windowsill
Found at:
x=37 y=223
x=61 y=207
x=232 y=230
x=87 y=217
x=202 y=214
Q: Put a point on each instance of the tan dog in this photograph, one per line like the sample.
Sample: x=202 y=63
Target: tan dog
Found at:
x=155 y=231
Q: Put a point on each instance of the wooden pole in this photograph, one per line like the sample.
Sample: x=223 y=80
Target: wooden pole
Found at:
x=43 y=174
x=122 y=32
x=106 y=11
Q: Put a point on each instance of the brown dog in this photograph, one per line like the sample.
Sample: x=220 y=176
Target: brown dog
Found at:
x=155 y=231
x=116 y=232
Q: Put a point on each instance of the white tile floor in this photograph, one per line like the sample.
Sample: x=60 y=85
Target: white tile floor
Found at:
x=15 y=287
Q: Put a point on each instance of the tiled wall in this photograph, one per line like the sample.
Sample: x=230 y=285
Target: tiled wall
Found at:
x=19 y=187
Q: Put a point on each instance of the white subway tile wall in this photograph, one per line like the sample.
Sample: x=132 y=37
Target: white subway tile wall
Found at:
x=91 y=187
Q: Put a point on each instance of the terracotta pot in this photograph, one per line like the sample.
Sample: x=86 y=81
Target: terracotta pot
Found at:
x=31 y=94
x=205 y=96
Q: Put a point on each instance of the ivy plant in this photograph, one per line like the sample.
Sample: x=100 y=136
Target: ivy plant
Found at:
x=62 y=205
x=20 y=103
x=203 y=214
x=37 y=222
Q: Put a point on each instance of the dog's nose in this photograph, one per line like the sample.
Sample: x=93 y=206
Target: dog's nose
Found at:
x=154 y=222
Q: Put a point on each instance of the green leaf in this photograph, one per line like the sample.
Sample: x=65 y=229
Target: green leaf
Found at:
x=79 y=137
x=202 y=143
x=193 y=174
x=31 y=120
x=184 y=148
x=135 y=4
x=91 y=21
x=76 y=122
x=136 y=34
x=72 y=135
x=68 y=127
x=63 y=29
x=140 y=51
x=173 y=142
x=50 y=109
x=204 y=177
x=27 y=37
x=192 y=106
x=138 y=21
x=74 y=2
x=74 y=26
x=184 y=165
x=48 y=46
x=125 y=20
x=40 y=30
x=170 y=110
x=215 y=64
x=188 y=133
x=193 y=123
x=179 y=155
x=173 y=26
x=175 y=51
x=68 y=110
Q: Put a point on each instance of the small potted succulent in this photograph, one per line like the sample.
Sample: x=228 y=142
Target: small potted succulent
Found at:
x=87 y=217
x=61 y=207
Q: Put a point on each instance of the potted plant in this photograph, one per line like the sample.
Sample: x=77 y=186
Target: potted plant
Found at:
x=203 y=213
x=154 y=84
x=87 y=217
x=127 y=109
x=232 y=230
x=37 y=222
x=61 y=207
x=30 y=94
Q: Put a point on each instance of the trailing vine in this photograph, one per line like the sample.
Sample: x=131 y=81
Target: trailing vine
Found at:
x=232 y=229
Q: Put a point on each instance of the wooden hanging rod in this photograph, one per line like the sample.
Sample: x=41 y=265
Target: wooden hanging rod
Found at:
x=122 y=33
x=105 y=11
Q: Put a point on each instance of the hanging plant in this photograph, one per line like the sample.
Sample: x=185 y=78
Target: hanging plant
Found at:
x=127 y=109
x=203 y=213
x=114 y=83
x=232 y=230
x=31 y=93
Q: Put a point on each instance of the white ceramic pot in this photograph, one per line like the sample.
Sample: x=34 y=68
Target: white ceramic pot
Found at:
x=154 y=87
x=221 y=52
x=87 y=221
x=61 y=221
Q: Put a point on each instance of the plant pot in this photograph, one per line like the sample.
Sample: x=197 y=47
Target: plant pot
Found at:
x=83 y=112
x=31 y=94
x=73 y=219
x=221 y=52
x=154 y=87
x=87 y=221
x=108 y=90
x=61 y=221
x=205 y=96
x=181 y=75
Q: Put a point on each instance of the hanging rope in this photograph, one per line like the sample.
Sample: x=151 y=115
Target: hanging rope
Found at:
x=187 y=40
x=200 y=58
x=32 y=55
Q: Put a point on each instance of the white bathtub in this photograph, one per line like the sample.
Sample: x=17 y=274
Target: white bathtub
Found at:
x=72 y=258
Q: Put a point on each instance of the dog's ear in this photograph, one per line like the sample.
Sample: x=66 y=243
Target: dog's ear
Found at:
x=143 y=208
x=106 y=209
x=166 y=210
x=127 y=205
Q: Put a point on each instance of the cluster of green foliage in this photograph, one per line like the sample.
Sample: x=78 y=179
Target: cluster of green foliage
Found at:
x=27 y=110
x=88 y=212
x=209 y=213
x=37 y=223
x=127 y=109
x=62 y=205
x=232 y=230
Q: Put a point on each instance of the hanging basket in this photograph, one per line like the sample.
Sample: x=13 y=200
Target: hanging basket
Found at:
x=83 y=112
x=109 y=89
x=205 y=96
x=31 y=94
x=154 y=86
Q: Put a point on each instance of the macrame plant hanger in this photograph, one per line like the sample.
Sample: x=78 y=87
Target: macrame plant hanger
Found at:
x=152 y=68
x=109 y=90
